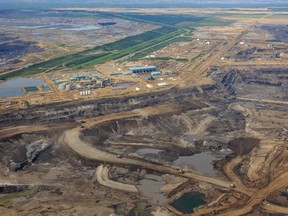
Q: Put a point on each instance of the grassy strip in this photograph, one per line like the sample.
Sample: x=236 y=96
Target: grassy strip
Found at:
x=239 y=15
x=213 y=21
x=137 y=39
x=87 y=59
x=132 y=49
x=159 y=46
x=174 y=20
x=168 y=19
x=127 y=17
x=84 y=60
x=198 y=56
x=167 y=59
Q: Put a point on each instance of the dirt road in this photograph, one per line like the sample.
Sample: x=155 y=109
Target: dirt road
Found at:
x=263 y=100
x=72 y=139
x=259 y=195
x=229 y=171
x=102 y=176
x=275 y=208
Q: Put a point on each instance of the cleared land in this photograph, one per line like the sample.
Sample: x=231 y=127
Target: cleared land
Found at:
x=239 y=73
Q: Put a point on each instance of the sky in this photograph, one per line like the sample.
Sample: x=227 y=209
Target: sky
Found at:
x=150 y=3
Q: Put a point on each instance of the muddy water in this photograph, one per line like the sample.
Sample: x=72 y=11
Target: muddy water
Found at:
x=148 y=151
x=150 y=188
x=201 y=162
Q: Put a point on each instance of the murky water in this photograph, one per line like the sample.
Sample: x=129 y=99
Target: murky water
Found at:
x=201 y=162
x=189 y=138
x=150 y=188
x=13 y=87
x=148 y=151
x=188 y=202
x=83 y=28
x=126 y=84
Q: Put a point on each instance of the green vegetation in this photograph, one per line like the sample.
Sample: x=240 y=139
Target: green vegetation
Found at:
x=159 y=46
x=105 y=53
x=45 y=66
x=137 y=39
x=239 y=15
x=142 y=44
x=280 y=16
x=169 y=19
x=198 y=56
x=83 y=60
x=167 y=59
x=213 y=21
x=7 y=199
x=130 y=49
x=175 y=20
x=142 y=210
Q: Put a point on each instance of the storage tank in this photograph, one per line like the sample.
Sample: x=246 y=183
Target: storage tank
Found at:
x=68 y=87
x=61 y=86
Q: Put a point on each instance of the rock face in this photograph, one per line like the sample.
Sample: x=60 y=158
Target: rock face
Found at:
x=79 y=109
x=33 y=150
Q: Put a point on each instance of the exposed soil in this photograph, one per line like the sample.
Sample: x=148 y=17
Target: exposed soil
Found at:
x=243 y=146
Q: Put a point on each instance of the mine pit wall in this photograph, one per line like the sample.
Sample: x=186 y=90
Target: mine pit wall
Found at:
x=84 y=109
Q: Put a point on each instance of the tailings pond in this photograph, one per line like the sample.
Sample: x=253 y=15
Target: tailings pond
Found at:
x=188 y=202
x=148 y=151
x=150 y=187
x=13 y=87
x=202 y=163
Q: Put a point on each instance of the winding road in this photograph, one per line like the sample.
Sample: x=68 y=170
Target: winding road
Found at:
x=102 y=176
x=72 y=139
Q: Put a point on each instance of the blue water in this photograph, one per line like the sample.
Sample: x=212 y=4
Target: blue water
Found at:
x=13 y=87
x=83 y=28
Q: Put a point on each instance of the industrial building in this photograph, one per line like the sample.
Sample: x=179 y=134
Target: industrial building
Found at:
x=163 y=85
x=146 y=69
x=168 y=72
x=156 y=74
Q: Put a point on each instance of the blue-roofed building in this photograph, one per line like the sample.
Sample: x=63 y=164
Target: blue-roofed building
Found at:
x=156 y=74
x=145 y=69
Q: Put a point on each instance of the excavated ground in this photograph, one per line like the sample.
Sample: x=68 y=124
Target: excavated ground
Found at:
x=245 y=111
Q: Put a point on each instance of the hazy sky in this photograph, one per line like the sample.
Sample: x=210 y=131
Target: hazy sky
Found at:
x=146 y=2
x=150 y=1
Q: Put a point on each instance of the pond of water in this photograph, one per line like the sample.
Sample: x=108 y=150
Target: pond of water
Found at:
x=201 y=162
x=150 y=187
x=13 y=87
x=188 y=202
x=148 y=151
